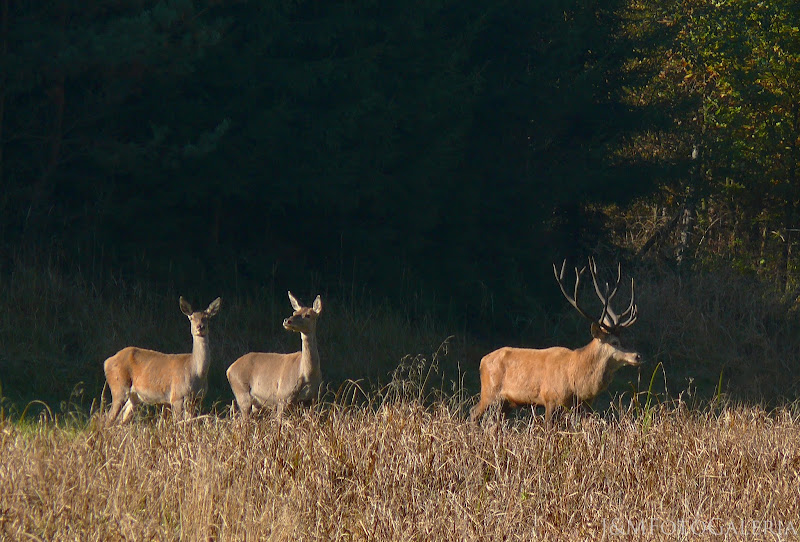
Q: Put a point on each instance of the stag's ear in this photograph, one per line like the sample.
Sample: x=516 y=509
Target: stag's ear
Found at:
x=186 y=308
x=317 y=305
x=213 y=308
x=295 y=303
x=597 y=331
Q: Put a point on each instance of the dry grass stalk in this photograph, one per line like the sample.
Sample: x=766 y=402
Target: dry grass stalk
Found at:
x=399 y=471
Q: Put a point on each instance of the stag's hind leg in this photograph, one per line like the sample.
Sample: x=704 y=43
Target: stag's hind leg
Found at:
x=116 y=406
x=130 y=406
x=245 y=404
x=478 y=410
x=120 y=395
x=489 y=395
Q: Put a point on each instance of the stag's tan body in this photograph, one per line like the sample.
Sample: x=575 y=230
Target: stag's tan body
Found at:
x=549 y=377
x=557 y=376
x=260 y=378
x=137 y=375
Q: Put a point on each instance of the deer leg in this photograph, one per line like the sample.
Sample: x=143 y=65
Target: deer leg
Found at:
x=179 y=410
x=489 y=393
x=478 y=410
x=118 y=397
x=571 y=410
x=127 y=411
x=116 y=406
x=241 y=392
x=549 y=409
x=245 y=403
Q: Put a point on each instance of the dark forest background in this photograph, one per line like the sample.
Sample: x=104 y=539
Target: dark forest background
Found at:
x=419 y=164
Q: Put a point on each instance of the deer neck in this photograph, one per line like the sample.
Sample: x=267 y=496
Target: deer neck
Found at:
x=200 y=357
x=309 y=356
x=592 y=371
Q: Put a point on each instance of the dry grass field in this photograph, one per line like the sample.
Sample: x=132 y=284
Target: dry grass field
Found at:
x=393 y=469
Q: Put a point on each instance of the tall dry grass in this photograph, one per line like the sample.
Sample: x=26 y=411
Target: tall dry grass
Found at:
x=720 y=331
x=703 y=331
x=57 y=328
x=393 y=469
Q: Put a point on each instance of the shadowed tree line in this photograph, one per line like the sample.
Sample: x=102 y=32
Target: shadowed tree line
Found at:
x=439 y=155
x=442 y=146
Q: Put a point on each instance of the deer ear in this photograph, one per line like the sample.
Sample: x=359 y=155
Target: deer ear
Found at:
x=213 y=308
x=295 y=303
x=317 y=305
x=186 y=308
x=597 y=331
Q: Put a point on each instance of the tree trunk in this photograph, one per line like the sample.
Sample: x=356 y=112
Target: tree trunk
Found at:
x=3 y=54
x=57 y=96
x=785 y=261
x=661 y=232
x=688 y=218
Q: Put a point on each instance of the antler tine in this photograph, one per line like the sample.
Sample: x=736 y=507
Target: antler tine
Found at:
x=631 y=305
x=632 y=312
x=574 y=299
x=593 y=269
x=578 y=275
x=606 y=299
x=631 y=319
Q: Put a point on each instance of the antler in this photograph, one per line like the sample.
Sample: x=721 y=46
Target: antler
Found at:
x=608 y=320
x=574 y=299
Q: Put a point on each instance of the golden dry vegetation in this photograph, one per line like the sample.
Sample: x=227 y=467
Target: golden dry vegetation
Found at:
x=394 y=469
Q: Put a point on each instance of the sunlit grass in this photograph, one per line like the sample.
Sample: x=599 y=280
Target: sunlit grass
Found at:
x=386 y=465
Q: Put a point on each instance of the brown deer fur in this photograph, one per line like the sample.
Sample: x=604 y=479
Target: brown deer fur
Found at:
x=137 y=375
x=550 y=377
x=558 y=376
x=259 y=378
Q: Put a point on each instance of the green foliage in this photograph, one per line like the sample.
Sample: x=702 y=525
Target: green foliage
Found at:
x=727 y=78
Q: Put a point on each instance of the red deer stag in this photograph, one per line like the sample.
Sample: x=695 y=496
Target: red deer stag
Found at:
x=136 y=375
x=556 y=376
x=259 y=378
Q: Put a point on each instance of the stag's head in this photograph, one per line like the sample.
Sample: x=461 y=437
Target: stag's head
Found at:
x=607 y=328
x=304 y=319
x=611 y=342
x=199 y=319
